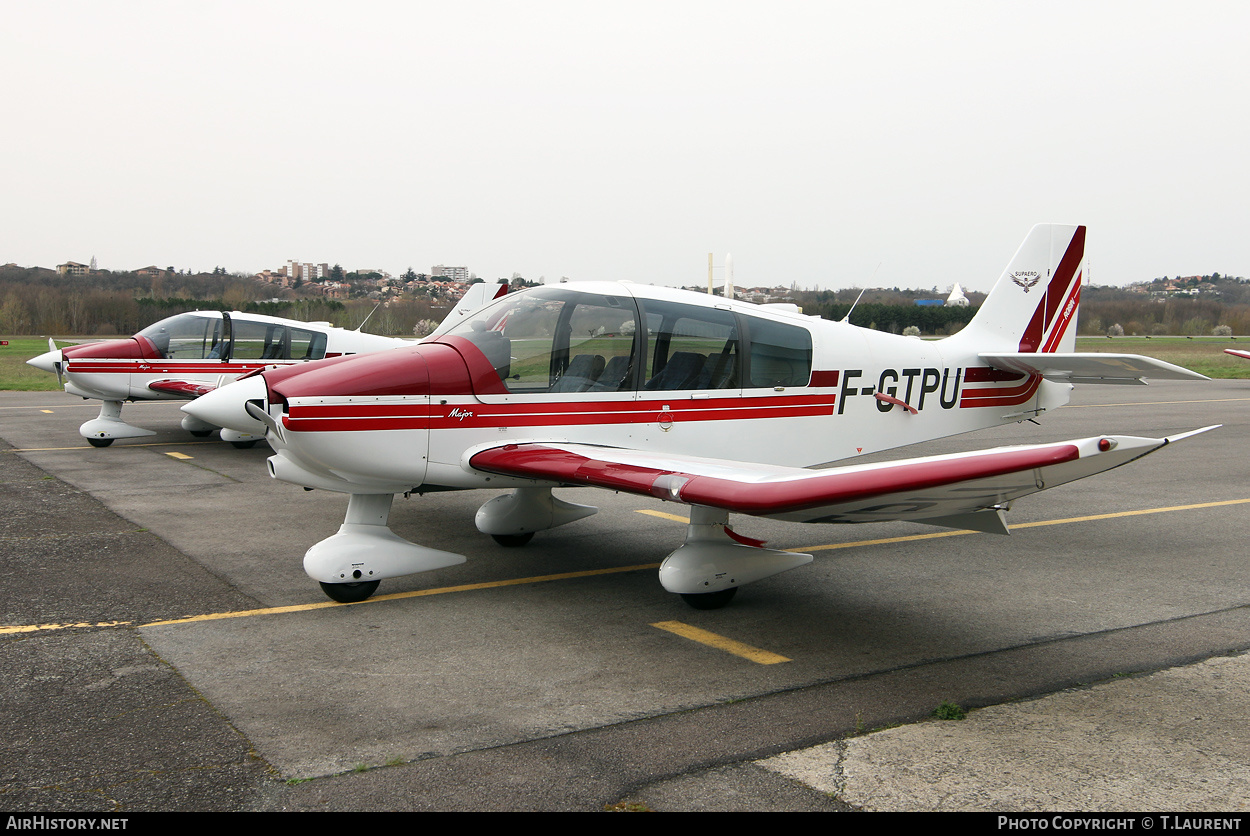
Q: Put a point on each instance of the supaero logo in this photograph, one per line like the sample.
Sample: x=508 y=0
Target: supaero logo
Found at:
x=1026 y=278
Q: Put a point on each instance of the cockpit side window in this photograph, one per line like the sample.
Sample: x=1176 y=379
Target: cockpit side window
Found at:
x=307 y=345
x=260 y=340
x=691 y=347
x=781 y=354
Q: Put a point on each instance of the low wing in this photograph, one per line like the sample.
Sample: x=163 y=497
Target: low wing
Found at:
x=962 y=490
x=188 y=389
x=1245 y=355
x=1090 y=367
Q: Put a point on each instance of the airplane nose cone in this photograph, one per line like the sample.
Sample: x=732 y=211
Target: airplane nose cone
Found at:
x=225 y=407
x=46 y=361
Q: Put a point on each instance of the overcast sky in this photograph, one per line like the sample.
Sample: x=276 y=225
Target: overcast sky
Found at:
x=825 y=143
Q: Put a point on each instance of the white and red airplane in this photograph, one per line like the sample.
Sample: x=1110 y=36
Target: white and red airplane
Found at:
x=187 y=355
x=721 y=405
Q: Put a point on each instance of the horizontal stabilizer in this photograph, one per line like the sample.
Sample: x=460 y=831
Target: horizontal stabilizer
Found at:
x=1090 y=367
x=989 y=521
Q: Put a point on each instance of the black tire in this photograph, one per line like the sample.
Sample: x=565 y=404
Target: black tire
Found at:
x=201 y=433
x=513 y=540
x=245 y=445
x=710 y=600
x=99 y=442
x=350 y=593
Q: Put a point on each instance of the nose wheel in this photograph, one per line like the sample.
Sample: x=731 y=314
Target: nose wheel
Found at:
x=99 y=442
x=350 y=593
x=707 y=600
x=513 y=540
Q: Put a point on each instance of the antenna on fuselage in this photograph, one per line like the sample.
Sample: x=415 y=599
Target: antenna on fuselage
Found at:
x=371 y=313
x=847 y=318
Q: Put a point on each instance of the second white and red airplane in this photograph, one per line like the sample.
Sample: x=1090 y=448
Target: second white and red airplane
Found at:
x=721 y=405
x=185 y=356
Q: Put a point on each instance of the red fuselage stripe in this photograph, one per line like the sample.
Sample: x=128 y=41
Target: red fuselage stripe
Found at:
x=1000 y=397
x=348 y=418
x=159 y=367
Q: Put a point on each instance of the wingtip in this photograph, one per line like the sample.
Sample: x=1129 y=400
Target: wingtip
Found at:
x=1171 y=438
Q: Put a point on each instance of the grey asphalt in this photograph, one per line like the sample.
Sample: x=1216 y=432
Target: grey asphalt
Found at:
x=1100 y=658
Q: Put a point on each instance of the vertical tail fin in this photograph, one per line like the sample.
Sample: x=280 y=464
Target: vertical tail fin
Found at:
x=1032 y=307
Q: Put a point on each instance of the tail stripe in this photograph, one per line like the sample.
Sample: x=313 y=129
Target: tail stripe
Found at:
x=1065 y=318
x=1068 y=266
x=1033 y=334
x=1056 y=294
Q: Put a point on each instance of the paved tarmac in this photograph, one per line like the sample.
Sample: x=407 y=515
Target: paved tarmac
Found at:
x=1099 y=648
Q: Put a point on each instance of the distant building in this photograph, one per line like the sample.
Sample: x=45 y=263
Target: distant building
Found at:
x=306 y=270
x=73 y=268
x=456 y=274
x=957 y=298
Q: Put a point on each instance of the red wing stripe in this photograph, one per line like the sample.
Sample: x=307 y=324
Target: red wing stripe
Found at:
x=181 y=388
x=769 y=496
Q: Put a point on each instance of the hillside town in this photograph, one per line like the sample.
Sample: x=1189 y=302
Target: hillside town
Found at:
x=76 y=297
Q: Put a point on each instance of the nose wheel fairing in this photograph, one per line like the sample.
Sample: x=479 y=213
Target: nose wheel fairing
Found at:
x=109 y=425
x=365 y=549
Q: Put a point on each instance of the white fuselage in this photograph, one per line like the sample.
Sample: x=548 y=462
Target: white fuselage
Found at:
x=365 y=443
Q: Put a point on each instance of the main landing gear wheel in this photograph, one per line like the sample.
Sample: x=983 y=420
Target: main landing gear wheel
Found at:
x=247 y=445
x=201 y=433
x=709 y=600
x=349 y=593
x=99 y=442
x=513 y=540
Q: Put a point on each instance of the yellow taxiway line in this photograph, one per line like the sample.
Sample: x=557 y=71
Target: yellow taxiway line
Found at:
x=30 y=628
x=754 y=654
x=1147 y=403
x=1038 y=524
x=122 y=447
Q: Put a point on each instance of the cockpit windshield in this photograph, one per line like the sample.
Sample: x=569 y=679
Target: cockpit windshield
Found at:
x=187 y=337
x=557 y=340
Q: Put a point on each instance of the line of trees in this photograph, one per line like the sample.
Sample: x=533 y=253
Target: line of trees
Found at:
x=930 y=319
x=1147 y=316
x=40 y=302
